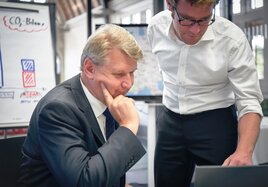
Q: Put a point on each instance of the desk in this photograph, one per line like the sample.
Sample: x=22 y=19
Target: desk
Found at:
x=260 y=154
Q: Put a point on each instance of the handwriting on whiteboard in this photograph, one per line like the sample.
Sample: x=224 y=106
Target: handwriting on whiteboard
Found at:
x=24 y=24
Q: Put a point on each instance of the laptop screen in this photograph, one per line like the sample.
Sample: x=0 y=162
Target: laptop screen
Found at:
x=239 y=176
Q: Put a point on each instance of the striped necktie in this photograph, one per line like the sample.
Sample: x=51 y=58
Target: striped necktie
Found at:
x=110 y=123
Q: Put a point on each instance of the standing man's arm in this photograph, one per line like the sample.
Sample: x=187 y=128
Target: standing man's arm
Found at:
x=244 y=80
x=248 y=132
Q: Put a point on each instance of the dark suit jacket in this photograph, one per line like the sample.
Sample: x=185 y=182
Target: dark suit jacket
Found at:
x=65 y=146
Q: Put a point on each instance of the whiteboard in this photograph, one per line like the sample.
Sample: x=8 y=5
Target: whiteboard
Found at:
x=27 y=69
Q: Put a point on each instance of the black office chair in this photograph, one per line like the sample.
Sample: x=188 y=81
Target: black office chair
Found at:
x=10 y=159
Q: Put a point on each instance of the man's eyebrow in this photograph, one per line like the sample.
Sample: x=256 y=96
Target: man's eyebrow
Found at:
x=192 y=18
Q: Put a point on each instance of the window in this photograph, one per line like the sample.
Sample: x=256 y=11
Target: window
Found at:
x=256 y=33
x=258 y=49
x=148 y=15
x=36 y=1
x=236 y=6
x=256 y=4
x=257 y=43
x=136 y=18
x=126 y=20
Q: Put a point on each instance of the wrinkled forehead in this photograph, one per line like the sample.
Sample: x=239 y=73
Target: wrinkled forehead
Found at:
x=195 y=2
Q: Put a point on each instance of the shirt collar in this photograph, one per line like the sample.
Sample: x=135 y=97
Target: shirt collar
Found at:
x=170 y=31
x=97 y=106
x=209 y=34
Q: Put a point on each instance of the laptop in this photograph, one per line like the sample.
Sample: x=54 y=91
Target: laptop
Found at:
x=239 y=176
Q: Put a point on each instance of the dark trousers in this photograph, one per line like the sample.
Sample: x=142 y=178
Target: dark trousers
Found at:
x=184 y=141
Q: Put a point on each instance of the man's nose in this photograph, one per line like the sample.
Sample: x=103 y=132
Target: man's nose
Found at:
x=127 y=82
x=195 y=28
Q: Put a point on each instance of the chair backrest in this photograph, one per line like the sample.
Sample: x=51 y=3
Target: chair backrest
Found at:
x=10 y=159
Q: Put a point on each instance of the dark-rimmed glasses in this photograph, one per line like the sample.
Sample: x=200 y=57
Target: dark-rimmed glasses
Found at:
x=190 y=22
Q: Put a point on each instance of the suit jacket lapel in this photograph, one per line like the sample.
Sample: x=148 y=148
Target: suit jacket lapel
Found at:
x=85 y=106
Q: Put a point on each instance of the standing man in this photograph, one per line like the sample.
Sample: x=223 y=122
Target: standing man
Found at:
x=211 y=94
x=67 y=142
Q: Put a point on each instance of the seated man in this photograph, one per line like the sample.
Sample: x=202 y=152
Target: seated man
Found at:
x=66 y=144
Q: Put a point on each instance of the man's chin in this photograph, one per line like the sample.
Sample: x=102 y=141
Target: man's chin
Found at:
x=191 y=40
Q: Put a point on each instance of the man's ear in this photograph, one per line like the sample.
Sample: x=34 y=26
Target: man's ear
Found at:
x=169 y=5
x=89 y=68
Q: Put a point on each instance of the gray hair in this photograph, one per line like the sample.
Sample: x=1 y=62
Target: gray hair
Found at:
x=107 y=37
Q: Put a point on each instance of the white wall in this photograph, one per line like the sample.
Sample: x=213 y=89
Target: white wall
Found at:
x=75 y=37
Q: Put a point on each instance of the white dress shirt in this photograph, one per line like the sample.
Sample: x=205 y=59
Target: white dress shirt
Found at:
x=98 y=108
x=216 y=72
